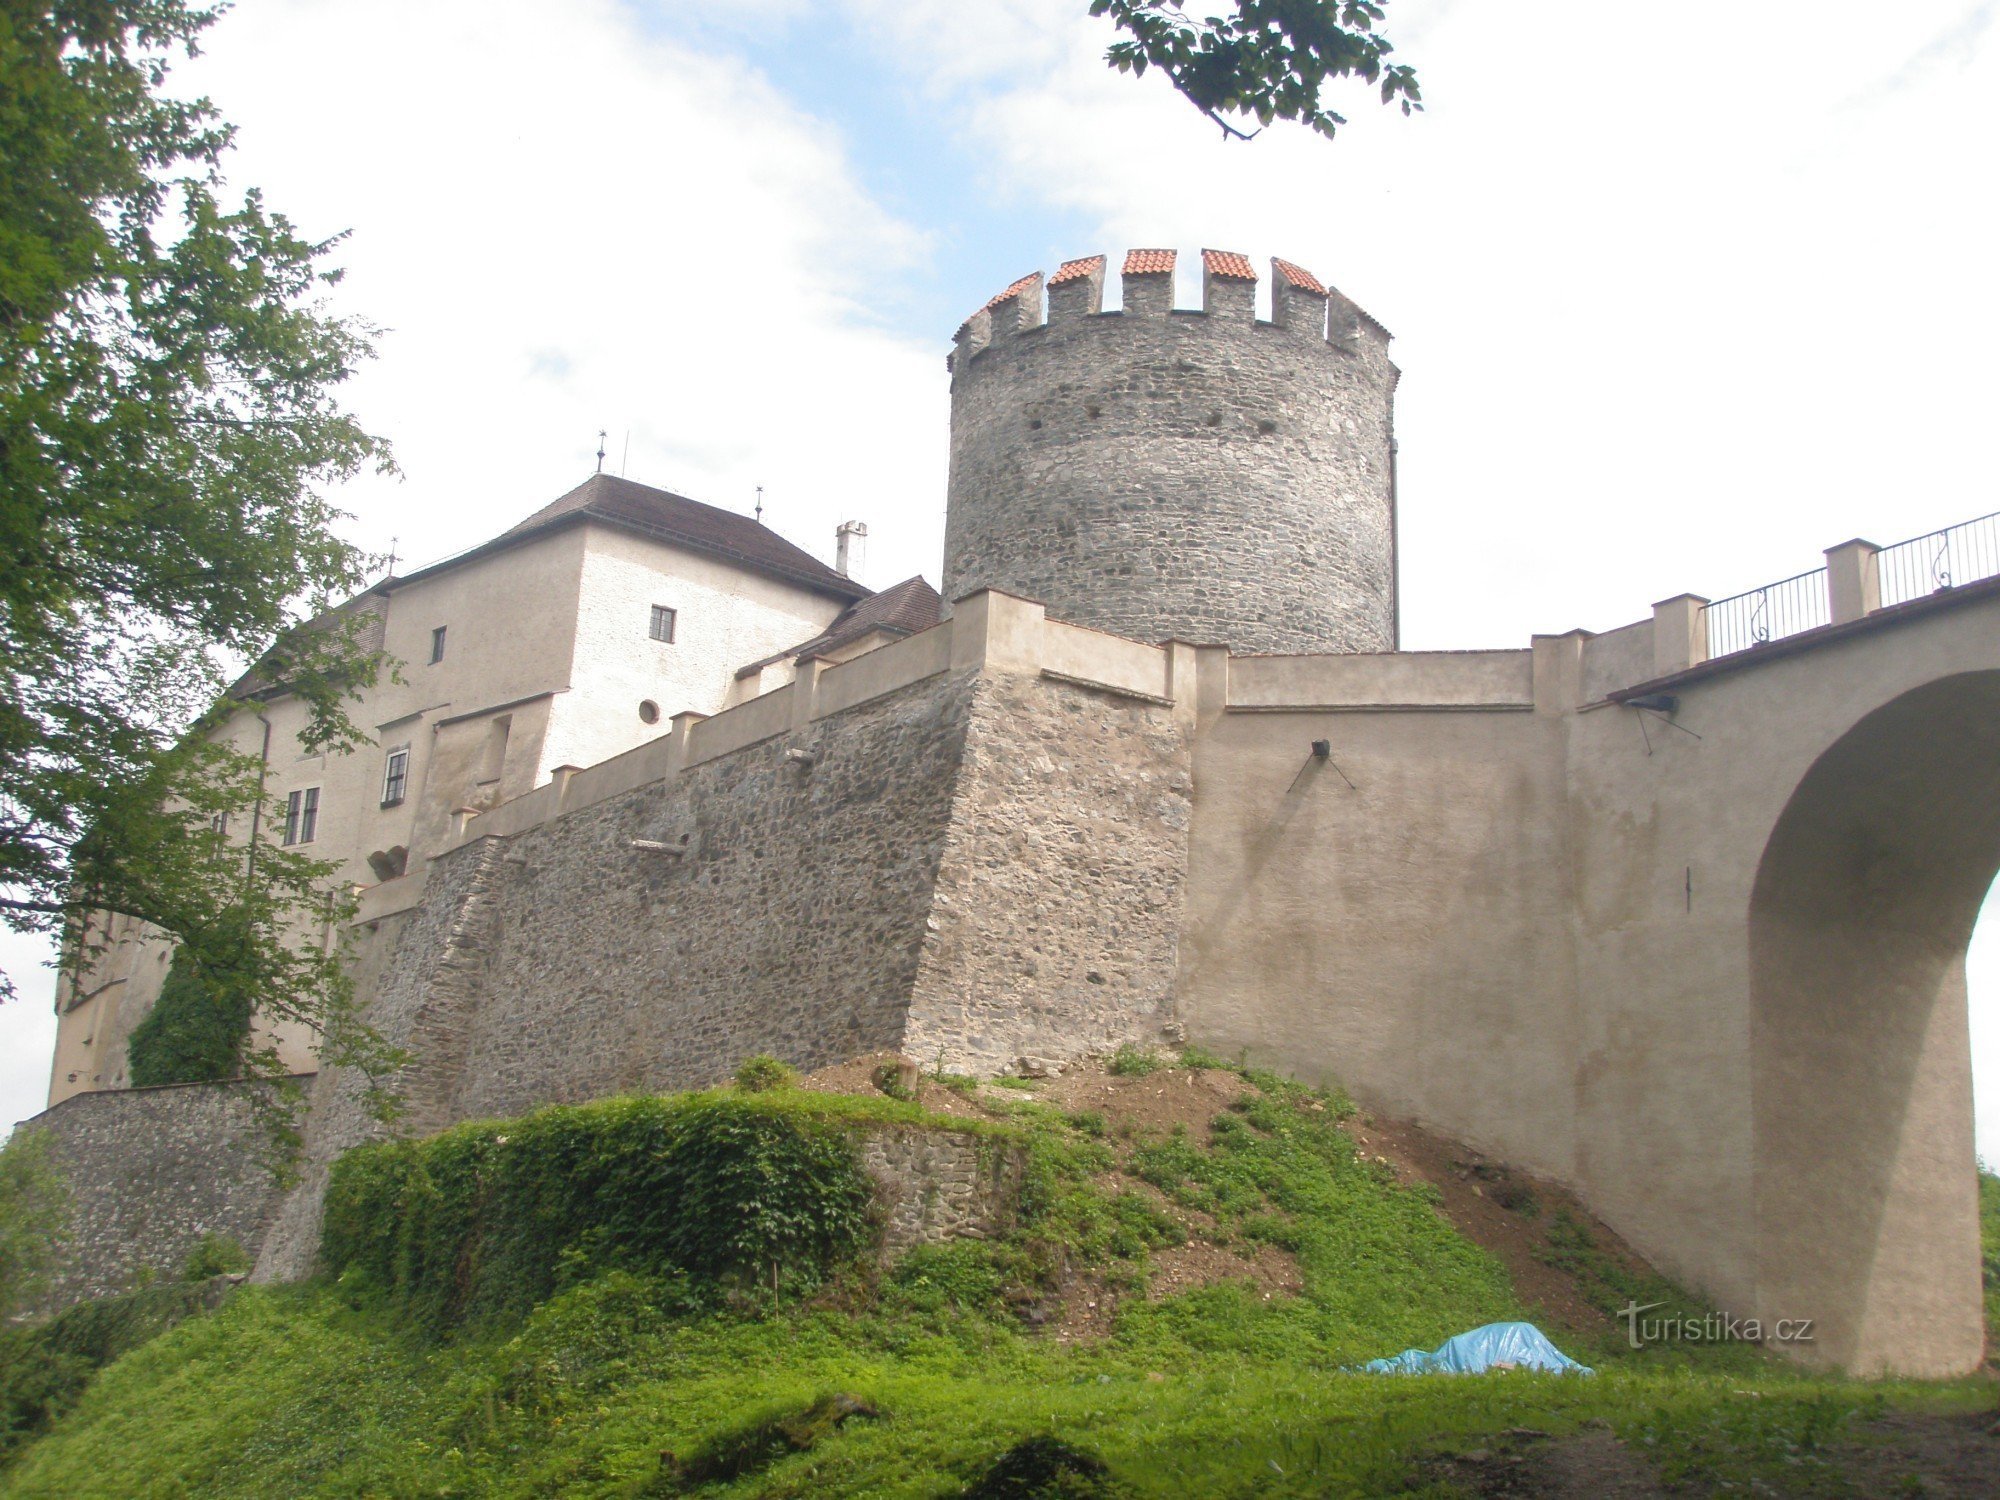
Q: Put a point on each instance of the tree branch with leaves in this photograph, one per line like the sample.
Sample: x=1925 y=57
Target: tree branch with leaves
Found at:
x=170 y=424
x=1262 y=59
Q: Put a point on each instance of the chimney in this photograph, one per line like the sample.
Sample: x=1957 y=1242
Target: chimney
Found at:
x=848 y=548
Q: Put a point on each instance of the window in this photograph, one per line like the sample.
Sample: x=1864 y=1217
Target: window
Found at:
x=437 y=645
x=302 y=816
x=219 y=822
x=662 y=627
x=396 y=776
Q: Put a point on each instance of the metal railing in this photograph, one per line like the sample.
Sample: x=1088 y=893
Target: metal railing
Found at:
x=1769 y=613
x=1939 y=560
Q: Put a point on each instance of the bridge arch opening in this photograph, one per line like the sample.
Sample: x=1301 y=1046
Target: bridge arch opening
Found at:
x=1865 y=901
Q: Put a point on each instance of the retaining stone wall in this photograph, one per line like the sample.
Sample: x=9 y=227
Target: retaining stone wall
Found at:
x=151 y=1173
x=939 y=1185
x=1055 y=932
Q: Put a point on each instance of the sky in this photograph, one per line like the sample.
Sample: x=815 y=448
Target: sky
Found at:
x=1678 y=303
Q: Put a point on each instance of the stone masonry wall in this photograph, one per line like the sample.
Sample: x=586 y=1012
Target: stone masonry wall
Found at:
x=152 y=1172
x=789 y=924
x=1058 y=902
x=937 y=1185
x=1178 y=475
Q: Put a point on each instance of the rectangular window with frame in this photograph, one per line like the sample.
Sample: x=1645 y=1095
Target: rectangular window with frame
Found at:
x=437 y=645
x=396 y=776
x=302 y=816
x=662 y=626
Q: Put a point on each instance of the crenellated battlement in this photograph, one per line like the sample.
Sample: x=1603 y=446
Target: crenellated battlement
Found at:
x=1160 y=472
x=1301 y=304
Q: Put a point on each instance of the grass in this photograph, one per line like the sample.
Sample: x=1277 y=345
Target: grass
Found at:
x=618 y=1386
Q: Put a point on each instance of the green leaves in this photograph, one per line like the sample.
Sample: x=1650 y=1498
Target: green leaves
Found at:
x=1267 y=59
x=169 y=424
x=740 y=1194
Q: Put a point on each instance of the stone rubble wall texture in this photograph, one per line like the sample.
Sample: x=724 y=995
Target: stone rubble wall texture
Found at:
x=1179 y=475
x=151 y=1173
x=976 y=869
x=790 y=922
x=1054 y=933
x=937 y=1185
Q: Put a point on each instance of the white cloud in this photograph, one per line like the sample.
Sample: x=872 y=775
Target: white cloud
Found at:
x=580 y=225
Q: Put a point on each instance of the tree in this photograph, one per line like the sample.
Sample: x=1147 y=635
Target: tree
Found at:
x=34 y=1210
x=1267 y=59
x=169 y=423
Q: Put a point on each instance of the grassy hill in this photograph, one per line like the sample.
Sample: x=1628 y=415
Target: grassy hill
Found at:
x=678 y=1296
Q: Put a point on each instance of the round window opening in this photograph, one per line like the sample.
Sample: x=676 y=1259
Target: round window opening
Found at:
x=649 y=711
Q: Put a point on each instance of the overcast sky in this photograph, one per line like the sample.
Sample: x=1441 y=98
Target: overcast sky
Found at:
x=1679 y=303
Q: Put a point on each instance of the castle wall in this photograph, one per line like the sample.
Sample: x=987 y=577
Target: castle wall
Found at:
x=1159 y=474
x=1056 y=924
x=151 y=1172
x=1395 y=917
x=789 y=923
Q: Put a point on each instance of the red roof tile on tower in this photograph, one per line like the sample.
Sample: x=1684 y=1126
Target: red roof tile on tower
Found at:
x=1227 y=264
x=1299 y=277
x=1149 y=263
x=1014 y=289
x=1077 y=270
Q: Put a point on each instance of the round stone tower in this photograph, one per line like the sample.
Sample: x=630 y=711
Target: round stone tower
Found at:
x=1164 y=474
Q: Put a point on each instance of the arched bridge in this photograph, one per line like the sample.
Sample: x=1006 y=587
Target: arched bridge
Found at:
x=1675 y=914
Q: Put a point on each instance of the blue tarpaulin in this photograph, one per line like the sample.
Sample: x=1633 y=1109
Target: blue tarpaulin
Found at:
x=1513 y=1346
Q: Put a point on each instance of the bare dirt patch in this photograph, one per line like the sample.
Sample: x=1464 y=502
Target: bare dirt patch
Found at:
x=1938 y=1457
x=1180 y=1268
x=1149 y=1105
x=1592 y=1465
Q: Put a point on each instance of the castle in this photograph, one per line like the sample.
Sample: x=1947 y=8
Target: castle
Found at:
x=1674 y=914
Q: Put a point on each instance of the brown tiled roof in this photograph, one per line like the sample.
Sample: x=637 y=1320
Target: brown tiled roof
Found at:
x=1077 y=270
x=908 y=607
x=671 y=518
x=1228 y=264
x=1298 y=276
x=1148 y=262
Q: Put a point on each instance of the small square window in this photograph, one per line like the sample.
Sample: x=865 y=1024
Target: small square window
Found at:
x=437 y=645
x=302 y=816
x=396 y=777
x=662 y=626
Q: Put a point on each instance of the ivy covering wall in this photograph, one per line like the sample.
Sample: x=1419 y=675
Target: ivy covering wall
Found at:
x=727 y=1191
x=195 y=1031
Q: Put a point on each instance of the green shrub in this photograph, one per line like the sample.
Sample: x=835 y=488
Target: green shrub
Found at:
x=759 y=1074
x=1200 y=1057
x=957 y=1276
x=216 y=1255
x=1135 y=1062
x=732 y=1191
x=196 y=1029
x=34 y=1208
x=44 y=1368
